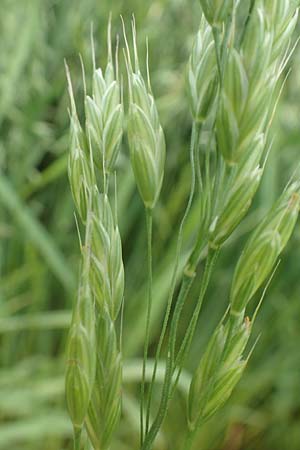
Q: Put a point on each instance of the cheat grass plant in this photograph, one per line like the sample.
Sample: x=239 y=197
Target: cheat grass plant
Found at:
x=233 y=83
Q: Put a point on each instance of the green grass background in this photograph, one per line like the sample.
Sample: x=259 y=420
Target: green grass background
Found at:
x=39 y=250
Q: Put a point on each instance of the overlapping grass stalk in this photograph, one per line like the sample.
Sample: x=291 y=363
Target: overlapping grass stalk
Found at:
x=233 y=82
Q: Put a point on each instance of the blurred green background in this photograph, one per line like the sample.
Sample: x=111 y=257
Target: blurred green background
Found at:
x=39 y=251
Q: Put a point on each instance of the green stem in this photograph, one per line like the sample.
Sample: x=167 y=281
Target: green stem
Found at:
x=196 y=131
x=187 y=341
x=77 y=438
x=167 y=386
x=148 y=319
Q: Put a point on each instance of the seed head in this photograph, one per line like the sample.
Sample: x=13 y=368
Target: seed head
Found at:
x=201 y=384
x=256 y=52
x=79 y=170
x=81 y=356
x=145 y=134
x=107 y=270
x=282 y=17
x=263 y=248
x=105 y=406
x=80 y=175
x=238 y=334
x=233 y=100
x=202 y=78
x=238 y=202
x=245 y=105
x=104 y=114
x=225 y=383
x=216 y=11
x=251 y=77
x=220 y=369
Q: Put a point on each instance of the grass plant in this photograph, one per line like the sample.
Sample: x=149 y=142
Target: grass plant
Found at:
x=234 y=84
x=40 y=258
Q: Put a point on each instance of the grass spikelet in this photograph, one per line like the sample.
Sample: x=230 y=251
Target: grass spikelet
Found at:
x=202 y=76
x=145 y=134
x=105 y=407
x=107 y=271
x=81 y=357
x=264 y=247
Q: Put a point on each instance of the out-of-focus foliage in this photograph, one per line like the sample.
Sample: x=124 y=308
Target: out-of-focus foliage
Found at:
x=38 y=239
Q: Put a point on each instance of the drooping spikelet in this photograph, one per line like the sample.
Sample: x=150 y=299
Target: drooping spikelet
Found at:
x=145 y=134
x=219 y=370
x=264 y=247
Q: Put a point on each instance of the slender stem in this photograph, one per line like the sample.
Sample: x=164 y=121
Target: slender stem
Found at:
x=167 y=386
x=132 y=373
x=77 y=438
x=148 y=319
x=185 y=288
x=187 y=340
x=196 y=130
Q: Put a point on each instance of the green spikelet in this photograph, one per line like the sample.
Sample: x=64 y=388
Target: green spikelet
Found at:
x=104 y=114
x=219 y=370
x=202 y=77
x=216 y=11
x=201 y=381
x=251 y=77
x=264 y=247
x=105 y=407
x=256 y=53
x=233 y=101
x=107 y=270
x=235 y=207
x=145 y=134
x=80 y=175
x=282 y=17
x=225 y=382
x=79 y=171
x=81 y=355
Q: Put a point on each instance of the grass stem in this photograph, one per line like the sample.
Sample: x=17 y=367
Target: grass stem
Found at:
x=196 y=131
x=149 y=221
x=77 y=438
